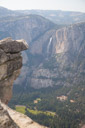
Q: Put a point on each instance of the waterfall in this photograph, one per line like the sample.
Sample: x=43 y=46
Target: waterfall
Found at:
x=48 y=47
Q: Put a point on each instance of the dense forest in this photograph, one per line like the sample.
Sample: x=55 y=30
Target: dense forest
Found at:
x=57 y=107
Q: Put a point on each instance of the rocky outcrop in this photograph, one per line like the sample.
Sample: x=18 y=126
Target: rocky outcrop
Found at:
x=10 y=66
x=9 y=49
x=21 y=120
x=13 y=46
x=5 y=119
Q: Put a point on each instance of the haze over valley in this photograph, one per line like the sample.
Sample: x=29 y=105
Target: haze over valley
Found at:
x=51 y=86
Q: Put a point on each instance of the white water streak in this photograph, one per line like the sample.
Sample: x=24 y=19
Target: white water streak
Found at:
x=48 y=47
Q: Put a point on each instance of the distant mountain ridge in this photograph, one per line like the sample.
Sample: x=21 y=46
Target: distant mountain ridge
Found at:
x=6 y=12
x=28 y=27
x=56 y=16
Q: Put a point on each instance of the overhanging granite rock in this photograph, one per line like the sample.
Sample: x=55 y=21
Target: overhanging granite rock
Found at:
x=10 y=49
x=13 y=46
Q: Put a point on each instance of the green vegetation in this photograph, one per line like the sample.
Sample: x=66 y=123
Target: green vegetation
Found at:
x=50 y=111
x=23 y=109
x=20 y=109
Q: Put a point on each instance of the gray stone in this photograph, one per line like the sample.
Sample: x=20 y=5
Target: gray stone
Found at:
x=9 y=67
x=5 y=119
x=13 y=46
x=3 y=56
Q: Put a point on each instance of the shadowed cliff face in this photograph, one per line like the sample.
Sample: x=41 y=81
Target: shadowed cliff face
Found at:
x=6 y=84
x=10 y=65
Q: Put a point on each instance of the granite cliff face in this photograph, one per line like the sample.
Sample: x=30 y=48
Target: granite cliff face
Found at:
x=66 y=65
x=10 y=66
x=56 y=58
x=70 y=39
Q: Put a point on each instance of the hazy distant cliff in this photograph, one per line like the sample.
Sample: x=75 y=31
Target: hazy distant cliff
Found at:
x=67 y=61
x=56 y=16
x=29 y=27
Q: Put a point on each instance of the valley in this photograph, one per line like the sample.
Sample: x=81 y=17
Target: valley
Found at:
x=50 y=103
x=51 y=86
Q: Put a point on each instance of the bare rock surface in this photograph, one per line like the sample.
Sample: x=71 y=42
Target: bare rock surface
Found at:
x=10 y=49
x=5 y=119
x=13 y=46
x=20 y=119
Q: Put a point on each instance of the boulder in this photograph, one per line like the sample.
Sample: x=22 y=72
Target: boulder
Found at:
x=13 y=46
x=10 y=49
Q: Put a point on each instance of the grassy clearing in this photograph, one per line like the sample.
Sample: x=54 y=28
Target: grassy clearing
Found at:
x=36 y=112
x=21 y=109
